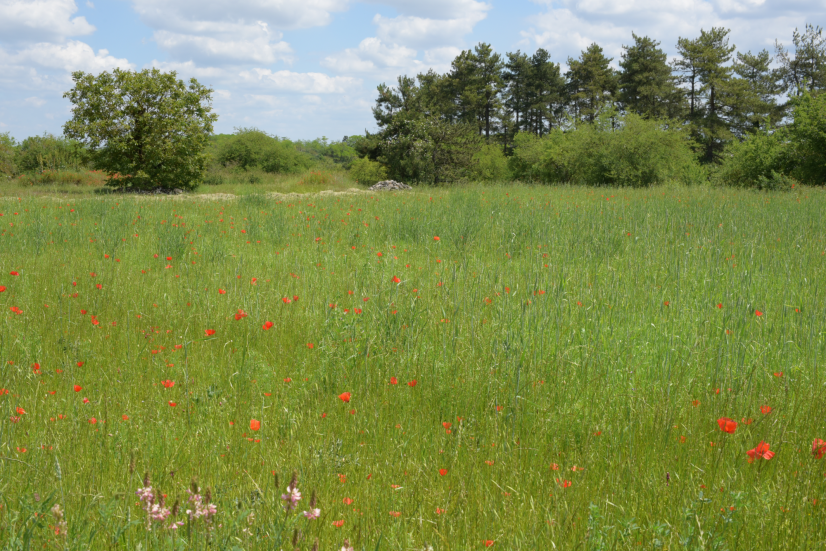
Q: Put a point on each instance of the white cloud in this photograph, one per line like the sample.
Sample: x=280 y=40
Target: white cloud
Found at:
x=435 y=9
x=423 y=32
x=40 y=20
x=371 y=56
x=72 y=56
x=90 y=4
x=225 y=50
x=434 y=28
x=35 y=101
x=302 y=83
x=244 y=31
x=188 y=69
x=570 y=26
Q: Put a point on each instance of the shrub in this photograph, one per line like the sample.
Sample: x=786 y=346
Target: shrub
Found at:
x=49 y=152
x=8 y=166
x=251 y=148
x=758 y=156
x=808 y=136
x=367 y=172
x=490 y=164
x=626 y=151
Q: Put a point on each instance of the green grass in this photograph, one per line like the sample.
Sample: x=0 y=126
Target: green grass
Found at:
x=90 y=183
x=548 y=325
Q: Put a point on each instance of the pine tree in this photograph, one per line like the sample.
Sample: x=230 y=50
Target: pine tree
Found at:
x=752 y=95
x=592 y=83
x=805 y=70
x=516 y=77
x=646 y=84
x=546 y=92
x=477 y=78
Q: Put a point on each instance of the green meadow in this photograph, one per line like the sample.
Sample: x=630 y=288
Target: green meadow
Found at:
x=520 y=367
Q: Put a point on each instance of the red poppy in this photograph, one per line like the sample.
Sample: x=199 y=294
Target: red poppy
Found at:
x=240 y=315
x=93 y=421
x=2 y=288
x=396 y=514
x=85 y=400
x=760 y=451
x=13 y=273
x=344 y=396
x=719 y=305
x=554 y=467
x=221 y=292
x=489 y=543
x=168 y=384
x=20 y=411
x=172 y=404
x=394 y=381
x=396 y=279
x=765 y=410
x=447 y=425
x=563 y=483
x=285 y=300
x=818 y=448
x=414 y=382
x=758 y=313
x=99 y=286
x=352 y=412
x=255 y=424
x=347 y=501
x=267 y=326
x=125 y=417
x=209 y=332
x=695 y=403
x=310 y=345
x=78 y=388
x=436 y=238
x=442 y=472
x=338 y=523
x=778 y=373
x=727 y=425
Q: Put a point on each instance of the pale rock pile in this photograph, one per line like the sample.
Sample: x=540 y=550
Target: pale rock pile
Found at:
x=389 y=185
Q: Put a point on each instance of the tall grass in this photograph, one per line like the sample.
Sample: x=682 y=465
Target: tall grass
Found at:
x=561 y=357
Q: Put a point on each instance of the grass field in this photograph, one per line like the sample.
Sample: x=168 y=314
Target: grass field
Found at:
x=505 y=367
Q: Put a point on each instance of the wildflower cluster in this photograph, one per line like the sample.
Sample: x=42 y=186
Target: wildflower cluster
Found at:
x=154 y=504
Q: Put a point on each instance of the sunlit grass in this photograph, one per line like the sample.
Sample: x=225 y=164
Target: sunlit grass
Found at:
x=549 y=372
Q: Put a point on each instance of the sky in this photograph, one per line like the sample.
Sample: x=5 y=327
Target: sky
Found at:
x=304 y=69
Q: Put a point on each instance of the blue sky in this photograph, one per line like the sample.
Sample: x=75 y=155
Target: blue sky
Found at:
x=309 y=68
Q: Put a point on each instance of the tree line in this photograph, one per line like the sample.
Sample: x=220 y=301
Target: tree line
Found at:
x=710 y=92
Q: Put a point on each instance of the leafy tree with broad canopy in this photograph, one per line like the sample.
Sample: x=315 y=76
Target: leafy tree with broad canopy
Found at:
x=146 y=129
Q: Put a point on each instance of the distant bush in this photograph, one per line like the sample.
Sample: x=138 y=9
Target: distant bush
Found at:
x=619 y=151
x=367 y=172
x=92 y=178
x=490 y=164
x=808 y=136
x=8 y=166
x=757 y=157
x=780 y=157
x=330 y=155
x=251 y=148
x=49 y=152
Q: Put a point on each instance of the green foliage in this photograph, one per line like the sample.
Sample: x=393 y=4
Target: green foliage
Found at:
x=490 y=164
x=367 y=172
x=760 y=155
x=629 y=151
x=777 y=158
x=647 y=86
x=49 y=152
x=8 y=153
x=330 y=154
x=592 y=83
x=808 y=135
x=148 y=126
x=251 y=148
